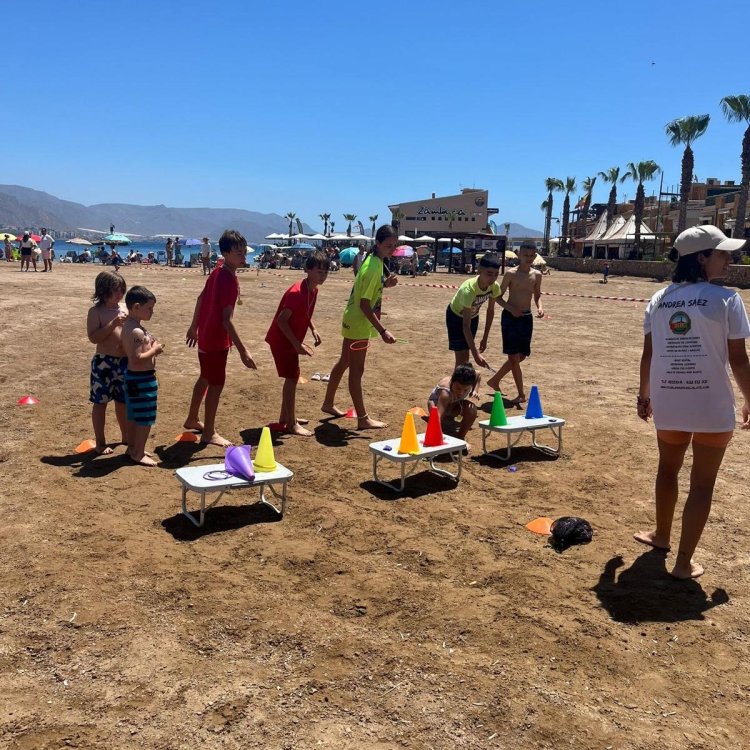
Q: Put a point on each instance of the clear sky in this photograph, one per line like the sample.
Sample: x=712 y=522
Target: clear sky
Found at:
x=346 y=107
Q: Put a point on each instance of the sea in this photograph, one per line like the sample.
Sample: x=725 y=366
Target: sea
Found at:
x=145 y=247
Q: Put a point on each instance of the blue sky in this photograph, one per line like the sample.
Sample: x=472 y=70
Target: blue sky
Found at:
x=347 y=107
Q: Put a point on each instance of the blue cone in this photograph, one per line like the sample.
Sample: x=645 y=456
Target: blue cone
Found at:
x=534 y=408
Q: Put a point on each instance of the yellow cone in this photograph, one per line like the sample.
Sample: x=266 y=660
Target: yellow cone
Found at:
x=409 y=442
x=264 y=460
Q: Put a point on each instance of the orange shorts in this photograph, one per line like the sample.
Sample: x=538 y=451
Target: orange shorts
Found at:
x=710 y=439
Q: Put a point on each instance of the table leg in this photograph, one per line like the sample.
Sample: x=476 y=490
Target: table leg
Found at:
x=278 y=496
x=545 y=448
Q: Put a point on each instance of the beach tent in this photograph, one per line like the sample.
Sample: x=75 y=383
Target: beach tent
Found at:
x=317 y=237
x=424 y=238
x=599 y=229
x=404 y=238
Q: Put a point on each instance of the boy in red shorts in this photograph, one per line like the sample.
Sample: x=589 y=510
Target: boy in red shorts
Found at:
x=287 y=333
x=213 y=330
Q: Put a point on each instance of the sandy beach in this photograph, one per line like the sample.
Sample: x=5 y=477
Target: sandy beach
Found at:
x=434 y=620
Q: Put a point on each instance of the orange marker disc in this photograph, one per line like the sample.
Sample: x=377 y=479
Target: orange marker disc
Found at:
x=541 y=526
x=418 y=411
x=86 y=446
x=187 y=437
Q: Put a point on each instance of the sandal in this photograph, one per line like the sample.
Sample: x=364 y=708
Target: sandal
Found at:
x=326 y=378
x=315 y=376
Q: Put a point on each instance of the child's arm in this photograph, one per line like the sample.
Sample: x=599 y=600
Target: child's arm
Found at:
x=487 y=324
x=442 y=403
x=283 y=322
x=142 y=346
x=741 y=370
x=191 y=337
x=97 y=332
x=315 y=334
x=245 y=355
x=644 y=387
x=366 y=307
x=466 y=321
x=538 y=295
x=504 y=287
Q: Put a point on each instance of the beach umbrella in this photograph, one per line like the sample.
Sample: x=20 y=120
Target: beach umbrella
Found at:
x=404 y=238
x=300 y=237
x=116 y=239
x=423 y=250
x=77 y=241
x=11 y=237
x=302 y=246
x=403 y=251
x=346 y=256
x=538 y=261
x=424 y=238
x=190 y=242
x=510 y=254
x=317 y=237
x=34 y=237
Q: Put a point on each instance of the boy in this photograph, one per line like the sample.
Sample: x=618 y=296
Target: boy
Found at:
x=462 y=314
x=287 y=332
x=605 y=272
x=517 y=322
x=213 y=330
x=141 y=385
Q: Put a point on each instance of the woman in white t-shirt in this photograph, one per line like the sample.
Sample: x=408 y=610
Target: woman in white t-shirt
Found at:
x=693 y=329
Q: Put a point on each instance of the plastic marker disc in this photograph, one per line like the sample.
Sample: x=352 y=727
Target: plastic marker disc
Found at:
x=28 y=400
x=86 y=446
x=542 y=526
x=418 y=411
x=187 y=437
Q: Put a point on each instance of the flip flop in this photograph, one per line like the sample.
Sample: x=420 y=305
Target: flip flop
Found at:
x=326 y=378
x=315 y=376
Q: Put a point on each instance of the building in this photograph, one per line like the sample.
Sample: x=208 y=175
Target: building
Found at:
x=456 y=215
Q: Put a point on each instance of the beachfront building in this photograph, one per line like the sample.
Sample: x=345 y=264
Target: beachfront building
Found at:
x=457 y=216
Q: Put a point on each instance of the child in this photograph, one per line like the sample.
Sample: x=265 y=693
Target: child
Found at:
x=605 y=273
x=141 y=385
x=451 y=396
x=462 y=314
x=213 y=330
x=361 y=322
x=517 y=322
x=104 y=328
x=287 y=333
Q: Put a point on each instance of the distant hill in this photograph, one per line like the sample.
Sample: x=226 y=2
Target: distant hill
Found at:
x=519 y=230
x=23 y=207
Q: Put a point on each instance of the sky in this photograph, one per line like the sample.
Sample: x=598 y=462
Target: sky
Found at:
x=346 y=107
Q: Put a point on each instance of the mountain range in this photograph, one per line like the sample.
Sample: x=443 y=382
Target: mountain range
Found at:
x=22 y=207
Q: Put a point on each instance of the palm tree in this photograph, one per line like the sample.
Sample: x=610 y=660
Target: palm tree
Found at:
x=331 y=224
x=373 y=219
x=611 y=175
x=350 y=218
x=551 y=184
x=737 y=109
x=583 y=216
x=324 y=218
x=570 y=186
x=641 y=172
x=686 y=130
x=290 y=217
x=398 y=214
x=506 y=226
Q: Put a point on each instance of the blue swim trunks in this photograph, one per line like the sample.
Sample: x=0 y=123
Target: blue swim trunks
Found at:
x=108 y=379
x=140 y=396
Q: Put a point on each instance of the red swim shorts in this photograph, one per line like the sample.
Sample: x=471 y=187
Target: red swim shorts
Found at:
x=214 y=366
x=286 y=361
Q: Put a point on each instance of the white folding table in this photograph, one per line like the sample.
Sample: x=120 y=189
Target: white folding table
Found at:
x=519 y=425
x=387 y=450
x=198 y=479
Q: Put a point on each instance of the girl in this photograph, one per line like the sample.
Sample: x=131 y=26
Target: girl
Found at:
x=692 y=330
x=104 y=328
x=361 y=323
x=451 y=396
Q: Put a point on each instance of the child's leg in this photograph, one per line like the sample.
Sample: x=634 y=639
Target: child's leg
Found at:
x=356 y=371
x=468 y=417
x=213 y=394
x=462 y=357
x=288 y=414
x=515 y=364
x=671 y=457
x=337 y=373
x=706 y=462
x=193 y=420
x=494 y=381
x=121 y=412
x=137 y=449
x=98 y=417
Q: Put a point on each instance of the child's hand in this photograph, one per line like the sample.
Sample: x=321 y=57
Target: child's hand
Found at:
x=482 y=345
x=540 y=313
x=480 y=360
x=247 y=360
x=316 y=338
x=388 y=337
x=746 y=416
x=392 y=280
x=304 y=350
x=643 y=406
x=191 y=337
x=120 y=319
x=159 y=348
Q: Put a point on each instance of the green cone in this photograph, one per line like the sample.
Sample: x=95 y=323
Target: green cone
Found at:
x=498 y=418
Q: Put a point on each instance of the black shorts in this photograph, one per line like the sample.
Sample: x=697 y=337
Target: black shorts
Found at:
x=517 y=333
x=455 y=323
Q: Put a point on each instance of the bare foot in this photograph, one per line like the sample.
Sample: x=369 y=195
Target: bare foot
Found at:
x=193 y=424
x=217 y=440
x=365 y=423
x=297 y=429
x=684 y=571
x=103 y=450
x=493 y=383
x=144 y=460
x=649 y=538
x=332 y=410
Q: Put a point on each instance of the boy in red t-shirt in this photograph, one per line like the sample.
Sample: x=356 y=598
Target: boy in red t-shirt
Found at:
x=287 y=333
x=213 y=330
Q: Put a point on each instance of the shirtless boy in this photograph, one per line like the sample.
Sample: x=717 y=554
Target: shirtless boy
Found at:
x=522 y=283
x=141 y=385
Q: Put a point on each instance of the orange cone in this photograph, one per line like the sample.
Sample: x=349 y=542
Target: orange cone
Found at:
x=351 y=414
x=434 y=435
x=409 y=443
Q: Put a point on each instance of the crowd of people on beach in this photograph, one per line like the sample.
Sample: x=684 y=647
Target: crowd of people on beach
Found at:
x=684 y=383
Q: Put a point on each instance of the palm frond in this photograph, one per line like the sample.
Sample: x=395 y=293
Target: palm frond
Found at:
x=736 y=108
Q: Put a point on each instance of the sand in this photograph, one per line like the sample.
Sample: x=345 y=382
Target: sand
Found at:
x=435 y=620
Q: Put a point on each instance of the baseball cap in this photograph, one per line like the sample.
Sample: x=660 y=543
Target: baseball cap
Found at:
x=704 y=237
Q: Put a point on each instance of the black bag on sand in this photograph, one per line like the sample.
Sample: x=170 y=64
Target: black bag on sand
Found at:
x=569 y=530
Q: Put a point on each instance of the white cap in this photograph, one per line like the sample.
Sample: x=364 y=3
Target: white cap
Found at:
x=705 y=237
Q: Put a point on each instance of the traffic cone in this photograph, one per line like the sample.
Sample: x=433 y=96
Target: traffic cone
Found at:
x=534 y=408
x=498 y=418
x=409 y=442
x=350 y=413
x=264 y=460
x=434 y=435
x=28 y=400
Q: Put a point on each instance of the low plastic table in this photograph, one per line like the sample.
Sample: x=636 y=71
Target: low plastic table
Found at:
x=198 y=479
x=519 y=425
x=388 y=450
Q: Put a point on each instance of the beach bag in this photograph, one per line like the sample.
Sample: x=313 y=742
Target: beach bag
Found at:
x=569 y=530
